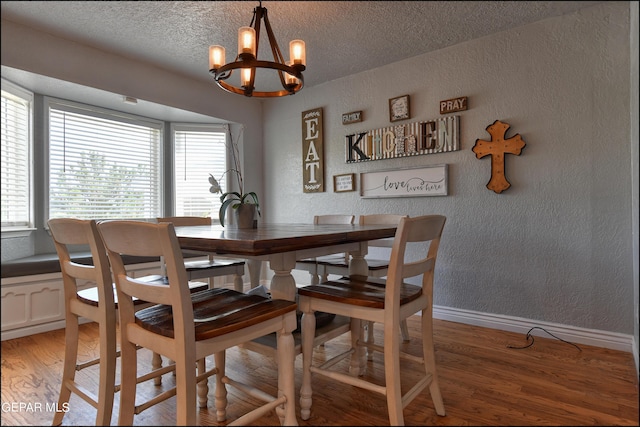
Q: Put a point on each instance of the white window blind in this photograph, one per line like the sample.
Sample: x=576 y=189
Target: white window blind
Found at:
x=102 y=164
x=16 y=158
x=198 y=152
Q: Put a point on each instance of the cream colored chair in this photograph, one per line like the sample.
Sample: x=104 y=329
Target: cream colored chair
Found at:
x=377 y=267
x=212 y=267
x=382 y=301
x=312 y=265
x=95 y=302
x=188 y=329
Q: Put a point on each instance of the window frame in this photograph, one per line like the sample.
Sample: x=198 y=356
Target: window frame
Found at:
x=104 y=113
x=28 y=96
x=197 y=127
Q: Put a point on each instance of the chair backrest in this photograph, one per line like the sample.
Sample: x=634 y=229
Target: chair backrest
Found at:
x=423 y=229
x=141 y=238
x=334 y=219
x=70 y=231
x=381 y=219
x=183 y=221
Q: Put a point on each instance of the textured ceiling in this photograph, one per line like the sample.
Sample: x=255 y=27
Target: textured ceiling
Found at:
x=342 y=37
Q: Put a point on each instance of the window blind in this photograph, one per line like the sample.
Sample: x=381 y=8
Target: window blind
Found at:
x=199 y=152
x=103 y=165
x=16 y=159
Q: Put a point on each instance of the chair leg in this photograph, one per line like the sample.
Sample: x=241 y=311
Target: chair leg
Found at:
x=404 y=330
x=69 y=369
x=392 y=375
x=367 y=334
x=221 y=389
x=315 y=279
x=286 y=382
x=428 y=351
x=367 y=331
x=185 y=392
x=324 y=276
x=128 y=382
x=156 y=363
x=203 y=386
x=358 y=358
x=107 y=372
x=308 y=334
x=238 y=283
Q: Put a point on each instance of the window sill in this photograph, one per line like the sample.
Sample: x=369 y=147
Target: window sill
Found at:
x=9 y=233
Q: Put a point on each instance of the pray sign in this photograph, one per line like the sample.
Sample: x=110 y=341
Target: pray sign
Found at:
x=497 y=148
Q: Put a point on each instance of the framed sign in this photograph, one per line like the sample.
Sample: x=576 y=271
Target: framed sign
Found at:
x=424 y=181
x=399 y=108
x=312 y=151
x=453 y=105
x=342 y=183
x=353 y=117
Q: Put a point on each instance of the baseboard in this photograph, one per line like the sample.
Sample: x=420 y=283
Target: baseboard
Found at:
x=611 y=340
x=36 y=329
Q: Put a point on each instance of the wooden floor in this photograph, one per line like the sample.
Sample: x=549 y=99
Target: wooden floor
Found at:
x=483 y=382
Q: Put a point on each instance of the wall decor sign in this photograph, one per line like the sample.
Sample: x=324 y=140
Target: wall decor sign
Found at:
x=312 y=151
x=453 y=105
x=497 y=148
x=353 y=117
x=415 y=182
x=342 y=183
x=399 y=108
x=411 y=139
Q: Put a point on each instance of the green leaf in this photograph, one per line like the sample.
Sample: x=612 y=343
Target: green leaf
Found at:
x=235 y=199
x=223 y=209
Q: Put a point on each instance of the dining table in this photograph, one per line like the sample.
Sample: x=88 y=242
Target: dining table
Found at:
x=282 y=244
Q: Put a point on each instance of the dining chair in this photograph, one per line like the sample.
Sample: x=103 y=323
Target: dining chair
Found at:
x=312 y=264
x=96 y=302
x=187 y=329
x=208 y=269
x=386 y=301
x=378 y=267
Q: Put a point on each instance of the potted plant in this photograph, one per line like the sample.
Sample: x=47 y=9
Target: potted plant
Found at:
x=245 y=204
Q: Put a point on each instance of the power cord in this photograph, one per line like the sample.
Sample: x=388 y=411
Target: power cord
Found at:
x=529 y=336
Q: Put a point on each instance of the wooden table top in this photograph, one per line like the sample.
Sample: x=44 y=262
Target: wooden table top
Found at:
x=276 y=238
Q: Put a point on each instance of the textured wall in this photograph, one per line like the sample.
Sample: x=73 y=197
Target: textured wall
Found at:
x=635 y=161
x=556 y=246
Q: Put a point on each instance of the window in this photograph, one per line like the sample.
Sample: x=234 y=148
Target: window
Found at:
x=16 y=158
x=103 y=164
x=199 y=151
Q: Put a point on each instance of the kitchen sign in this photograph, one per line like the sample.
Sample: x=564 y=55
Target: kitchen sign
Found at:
x=411 y=139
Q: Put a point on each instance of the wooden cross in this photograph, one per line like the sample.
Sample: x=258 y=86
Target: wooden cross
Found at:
x=497 y=148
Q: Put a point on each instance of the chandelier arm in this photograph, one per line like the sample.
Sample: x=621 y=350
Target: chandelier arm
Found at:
x=275 y=49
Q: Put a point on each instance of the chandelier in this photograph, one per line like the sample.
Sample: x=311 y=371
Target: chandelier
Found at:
x=289 y=73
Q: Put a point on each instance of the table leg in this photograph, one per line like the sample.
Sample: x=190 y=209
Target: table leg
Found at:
x=357 y=263
x=255 y=267
x=283 y=285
